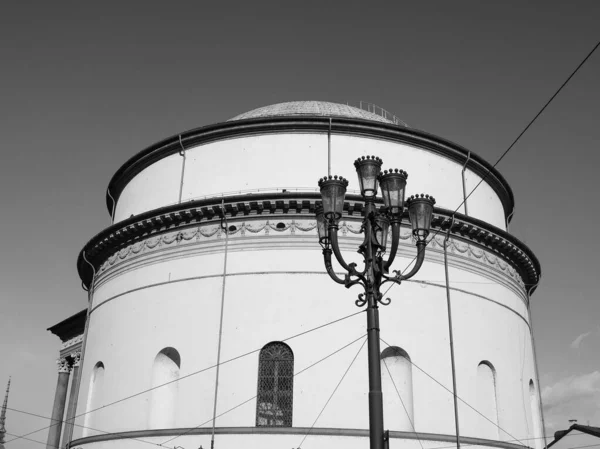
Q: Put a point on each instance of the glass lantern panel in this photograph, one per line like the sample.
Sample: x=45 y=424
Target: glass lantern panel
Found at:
x=322 y=227
x=393 y=188
x=367 y=177
x=332 y=194
x=382 y=230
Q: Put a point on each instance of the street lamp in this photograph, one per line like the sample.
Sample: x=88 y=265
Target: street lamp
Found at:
x=375 y=273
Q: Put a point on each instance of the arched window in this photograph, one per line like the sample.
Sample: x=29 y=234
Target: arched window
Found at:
x=163 y=400
x=274 y=402
x=486 y=400
x=95 y=397
x=535 y=415
x=396 y=380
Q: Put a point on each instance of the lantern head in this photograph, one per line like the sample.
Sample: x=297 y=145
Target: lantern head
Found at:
x=382 y=225
x=393 y=186
x=368 y=168
x=322 y=226
x=420 y=212
x=333 y=192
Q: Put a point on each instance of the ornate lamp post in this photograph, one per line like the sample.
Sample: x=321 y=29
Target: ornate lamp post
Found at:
x=375 y=273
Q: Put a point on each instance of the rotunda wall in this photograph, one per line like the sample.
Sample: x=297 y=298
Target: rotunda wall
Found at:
x=269 y=298
x=272 y=162
x=282 y=244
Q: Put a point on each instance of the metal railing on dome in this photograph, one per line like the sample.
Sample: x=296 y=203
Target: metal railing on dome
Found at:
x=378 y=110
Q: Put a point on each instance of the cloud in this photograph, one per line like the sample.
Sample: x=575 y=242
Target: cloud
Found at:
x=577 y=342
x=573 y=397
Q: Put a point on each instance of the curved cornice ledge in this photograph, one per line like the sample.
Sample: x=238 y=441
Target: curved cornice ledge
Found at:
x=339 y=125
x=167 y=219
x=360 y=433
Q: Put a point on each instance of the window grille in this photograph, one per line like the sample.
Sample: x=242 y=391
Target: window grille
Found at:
x=274 y=404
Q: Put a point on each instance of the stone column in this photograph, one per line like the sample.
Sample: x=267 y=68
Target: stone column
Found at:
x=58 y=410
x=72 y=407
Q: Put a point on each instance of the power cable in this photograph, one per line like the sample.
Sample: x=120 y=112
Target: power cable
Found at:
x=510 y=441
x=436 y=447
x=64 y=421
x=402 y=402
x=332 y=394
x=459 y=398
x=508 y=149
x=32 y=440
x=255 y=396
x=190 y=375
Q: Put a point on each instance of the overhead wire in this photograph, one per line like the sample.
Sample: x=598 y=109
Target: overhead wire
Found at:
x=412 y=424
x=308 y=367
x=332 y=394
x=507 y=150
x=510 y=147
x=510 y=441
x=255 y=396
x=65 y=421
x=458 y=397
x=33 y=441
x=191 y=374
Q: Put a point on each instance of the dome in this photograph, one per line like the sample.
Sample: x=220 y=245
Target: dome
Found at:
x=321 y=108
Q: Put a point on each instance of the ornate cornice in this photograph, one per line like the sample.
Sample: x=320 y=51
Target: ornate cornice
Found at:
x=305 y=124
x=146 y=228
x=199 y=239
x=71 y=327
x=72 y=342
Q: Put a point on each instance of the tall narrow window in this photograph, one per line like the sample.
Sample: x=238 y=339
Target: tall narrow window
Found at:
x=486 y=401
x=163 y=400
x=397 y=389
x=535 y=415
x=275 y=386
x=95 y=397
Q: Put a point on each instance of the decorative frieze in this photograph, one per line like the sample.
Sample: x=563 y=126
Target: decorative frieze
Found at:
x=72 y=342
x=297 y=229
x=279 y=213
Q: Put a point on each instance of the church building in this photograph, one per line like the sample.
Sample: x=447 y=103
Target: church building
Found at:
x=211 y=321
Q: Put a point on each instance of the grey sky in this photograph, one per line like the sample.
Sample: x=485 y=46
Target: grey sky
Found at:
x=83 y=89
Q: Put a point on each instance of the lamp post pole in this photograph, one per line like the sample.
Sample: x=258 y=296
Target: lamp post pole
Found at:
x=375 y=394
x=374 y=274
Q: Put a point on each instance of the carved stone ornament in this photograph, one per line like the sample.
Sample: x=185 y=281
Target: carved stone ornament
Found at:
x=296 y=228
x=72 y=342
x=75 y=358
x=63 y=365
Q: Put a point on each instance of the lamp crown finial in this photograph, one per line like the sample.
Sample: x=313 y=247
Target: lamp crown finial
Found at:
x=420 y=196
x=394 y=171
x=372 y=159
x=337 y=178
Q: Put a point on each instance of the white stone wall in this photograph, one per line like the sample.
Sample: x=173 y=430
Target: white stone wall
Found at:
x=166 y=291
x=298 y=160
x=169 y=295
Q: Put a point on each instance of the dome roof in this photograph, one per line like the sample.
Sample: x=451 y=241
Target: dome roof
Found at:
x=322 y=108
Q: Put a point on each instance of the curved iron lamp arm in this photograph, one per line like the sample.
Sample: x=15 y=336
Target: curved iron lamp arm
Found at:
x=421 y=245
x=349 y=267
x=394 y=249
x=333 y=236
x=327 y=258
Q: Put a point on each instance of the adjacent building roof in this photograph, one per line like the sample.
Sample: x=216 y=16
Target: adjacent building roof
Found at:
x=594 y=431
x=319 y=108
x=70 y=327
